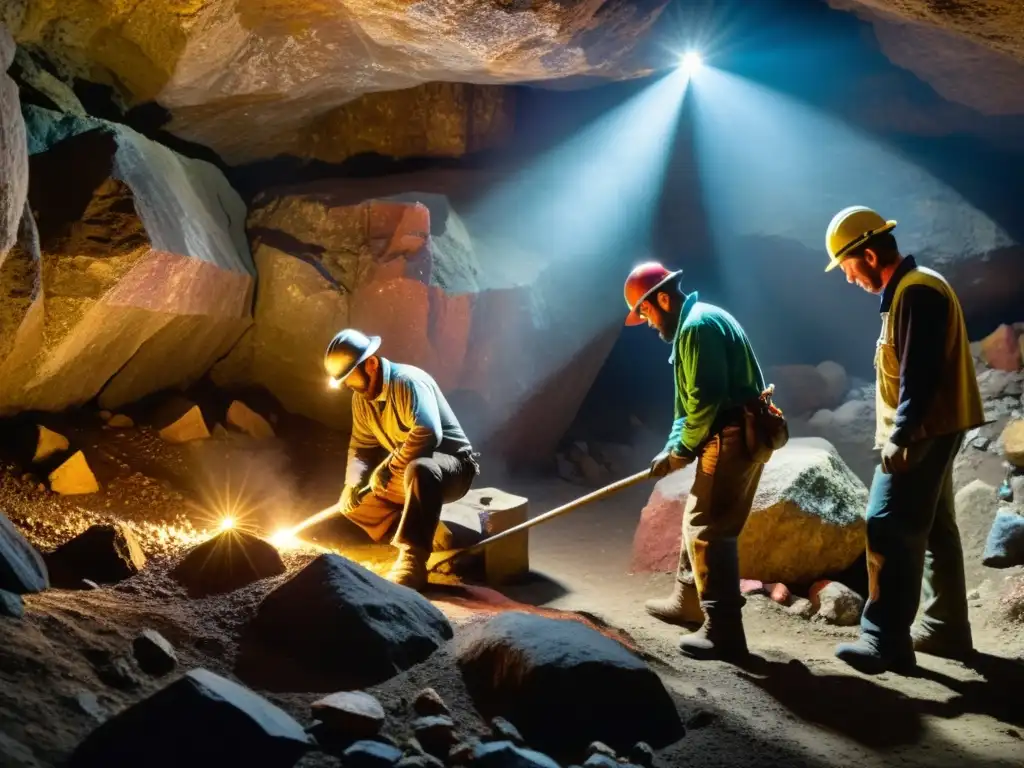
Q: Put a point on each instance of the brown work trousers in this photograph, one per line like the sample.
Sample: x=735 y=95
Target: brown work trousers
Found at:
x=426 y=485
x=716 y=511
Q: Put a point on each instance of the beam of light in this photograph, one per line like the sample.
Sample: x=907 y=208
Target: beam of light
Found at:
x=227 y=523
x=333 y=383
x=691 y=63
x=572 y=223
x=773 y=172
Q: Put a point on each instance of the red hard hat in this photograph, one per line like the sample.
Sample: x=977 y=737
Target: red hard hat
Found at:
x=643 y=281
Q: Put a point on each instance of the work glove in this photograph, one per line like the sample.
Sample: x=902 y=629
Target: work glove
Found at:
x=897 y=459
x=668 y=461
x=379 y=479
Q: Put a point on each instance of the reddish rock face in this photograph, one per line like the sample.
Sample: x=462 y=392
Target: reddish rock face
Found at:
x=1001 y=349
x=513 y=361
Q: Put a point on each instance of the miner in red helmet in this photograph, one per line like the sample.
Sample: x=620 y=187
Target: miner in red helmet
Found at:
x=716 y=375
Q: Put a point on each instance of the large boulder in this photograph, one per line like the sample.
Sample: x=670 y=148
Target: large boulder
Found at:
x=287 y=65
x=343 y=625
x=200 y=720
x=564 y=685
x=22 y=569
x=13 y=150
x=145 y=278
x=513 y=356
x=807 y=519
x=105 y=554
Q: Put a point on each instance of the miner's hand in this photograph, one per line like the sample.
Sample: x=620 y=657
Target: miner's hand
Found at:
x=668 y=461
x=379 y=479
x=896 y=459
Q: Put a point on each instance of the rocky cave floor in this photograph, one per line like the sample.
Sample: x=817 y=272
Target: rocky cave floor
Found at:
x=794 y=704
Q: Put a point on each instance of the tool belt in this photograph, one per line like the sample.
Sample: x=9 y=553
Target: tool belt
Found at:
x=764 y=426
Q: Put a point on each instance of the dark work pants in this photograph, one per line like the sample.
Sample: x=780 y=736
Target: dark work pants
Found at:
x=912 y=535
x=426 y=485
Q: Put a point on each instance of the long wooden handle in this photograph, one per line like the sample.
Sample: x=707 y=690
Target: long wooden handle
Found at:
x=600 y=493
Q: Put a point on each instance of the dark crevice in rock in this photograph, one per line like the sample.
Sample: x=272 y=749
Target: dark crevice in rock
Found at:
x=311 y=253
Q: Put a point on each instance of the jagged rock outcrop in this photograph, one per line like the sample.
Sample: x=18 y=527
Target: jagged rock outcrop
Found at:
x=140 y=276
x=13 y=156
x=407 y=269
x=284 y=64
x=970 y=51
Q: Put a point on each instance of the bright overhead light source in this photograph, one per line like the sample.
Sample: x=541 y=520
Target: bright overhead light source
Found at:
x=691 y=62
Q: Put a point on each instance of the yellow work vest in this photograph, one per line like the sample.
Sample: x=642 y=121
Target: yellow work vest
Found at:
x=957 y=403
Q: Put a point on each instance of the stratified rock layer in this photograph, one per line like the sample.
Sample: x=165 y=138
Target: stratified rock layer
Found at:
x=143 y=277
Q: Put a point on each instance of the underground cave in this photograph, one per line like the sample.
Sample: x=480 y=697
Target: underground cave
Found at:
x=512 y=383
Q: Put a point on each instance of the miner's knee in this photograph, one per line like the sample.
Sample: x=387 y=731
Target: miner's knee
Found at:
x=422 y=474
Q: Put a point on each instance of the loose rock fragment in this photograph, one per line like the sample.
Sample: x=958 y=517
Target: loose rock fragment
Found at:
x=333 y=604
x=501 y=754
x=1004 y=547
x=247 y=420
x=419 y=761
x=188 y=427
x=200 y=720
x=780 y=593
x=105 y=554
x=600 y=748
x=801 y=607
x=601 y=760
x=371 y=754
x=429 y=702
x=74 y=477
x=154 y=654
x=353 y=714
x=503 y=730
x=836 y=603
x=642 y=754
x=436 y=733
x=120 y=421
x=48 y=443
x=116 y=671
x=11 y=605
x=88 y=703
x=1013 y=442
x=22 y=569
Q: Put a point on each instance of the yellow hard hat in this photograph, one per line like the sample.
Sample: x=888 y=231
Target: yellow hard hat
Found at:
x=850 y=228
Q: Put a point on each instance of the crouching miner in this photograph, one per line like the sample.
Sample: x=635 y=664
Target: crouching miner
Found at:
x=407 y=454
x=927 y=397
x=716 y=375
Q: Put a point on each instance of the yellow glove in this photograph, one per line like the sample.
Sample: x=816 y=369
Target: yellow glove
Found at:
x=379 y=479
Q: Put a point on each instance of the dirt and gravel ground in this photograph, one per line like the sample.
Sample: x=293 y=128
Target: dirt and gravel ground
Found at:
x=794 y=704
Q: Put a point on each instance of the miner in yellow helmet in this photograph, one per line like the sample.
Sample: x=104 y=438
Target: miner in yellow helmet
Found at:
x=926 y=398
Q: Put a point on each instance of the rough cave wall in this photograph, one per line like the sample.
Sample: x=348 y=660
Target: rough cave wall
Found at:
x=330 y=82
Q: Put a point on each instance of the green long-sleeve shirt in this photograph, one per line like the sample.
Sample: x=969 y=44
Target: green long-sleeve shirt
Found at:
x=715 y=370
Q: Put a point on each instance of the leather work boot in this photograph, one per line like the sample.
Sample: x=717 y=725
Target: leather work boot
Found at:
x=410 y=569
x=721 y=637
x=865 y=656
x=679 y=608
x=944 y=644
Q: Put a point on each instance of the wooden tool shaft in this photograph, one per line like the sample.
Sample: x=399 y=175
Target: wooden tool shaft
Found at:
x=598 y=495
